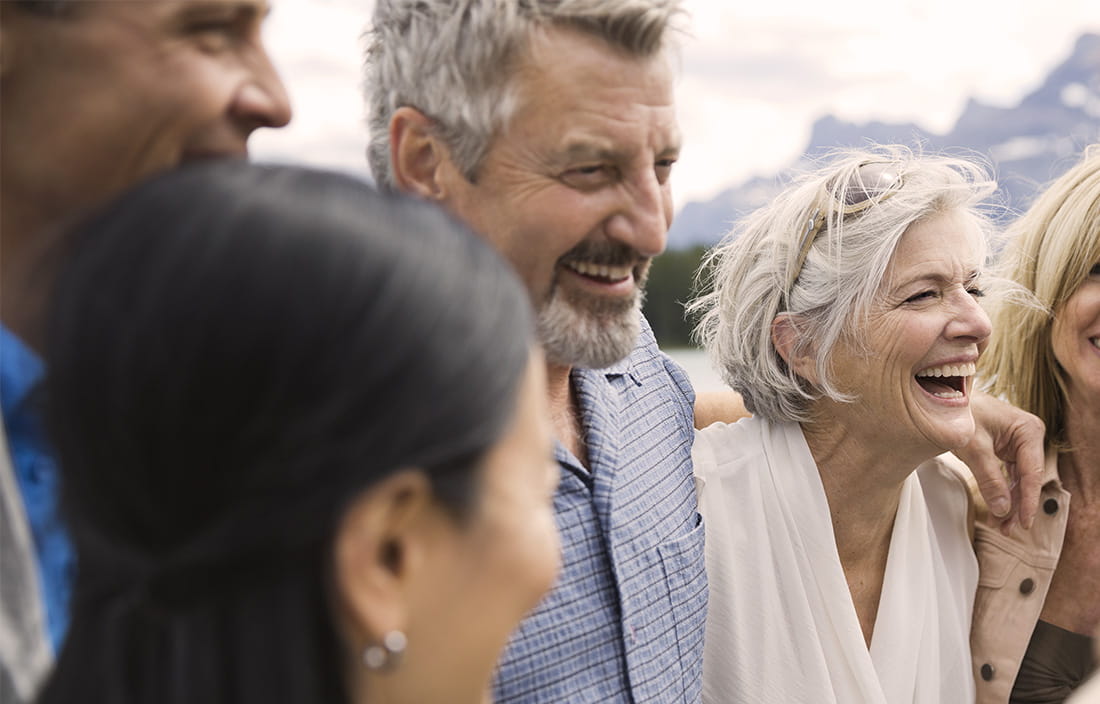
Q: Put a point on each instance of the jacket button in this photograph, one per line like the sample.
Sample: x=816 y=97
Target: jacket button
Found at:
x=1027 y=586
x=987 y=672
x=1050 y=506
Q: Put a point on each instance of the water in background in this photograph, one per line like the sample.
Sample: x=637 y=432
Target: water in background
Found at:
x=697 y=365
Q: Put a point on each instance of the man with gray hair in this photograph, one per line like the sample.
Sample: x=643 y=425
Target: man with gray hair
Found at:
x=96 y=95
x=549 y=127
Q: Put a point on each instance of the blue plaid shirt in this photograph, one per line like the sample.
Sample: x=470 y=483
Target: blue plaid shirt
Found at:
x=36 y=471
x=625 y=621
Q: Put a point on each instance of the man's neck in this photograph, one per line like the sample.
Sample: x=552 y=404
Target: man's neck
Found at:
x=564 y=412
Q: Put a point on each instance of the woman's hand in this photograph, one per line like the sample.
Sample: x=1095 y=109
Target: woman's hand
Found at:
x=1006 y=458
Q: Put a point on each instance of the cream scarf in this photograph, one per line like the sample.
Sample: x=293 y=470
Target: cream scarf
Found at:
x=781 y=626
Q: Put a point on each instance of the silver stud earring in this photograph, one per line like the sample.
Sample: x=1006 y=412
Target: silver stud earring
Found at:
x=386 y=656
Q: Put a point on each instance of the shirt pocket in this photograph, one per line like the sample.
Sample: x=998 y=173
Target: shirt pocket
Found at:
x=684 y=563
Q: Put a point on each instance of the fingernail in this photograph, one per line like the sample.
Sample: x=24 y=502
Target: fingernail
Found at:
x=1000 y=506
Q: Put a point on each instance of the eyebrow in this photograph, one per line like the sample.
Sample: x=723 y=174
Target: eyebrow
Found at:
x=244 y=9
x=583 y=151
x=588 y=151
x=938 y=278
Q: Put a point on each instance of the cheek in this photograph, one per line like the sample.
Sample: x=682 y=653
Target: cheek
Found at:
x=1059 y=340
x=535 y=552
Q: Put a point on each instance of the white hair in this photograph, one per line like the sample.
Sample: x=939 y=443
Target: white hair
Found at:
x=749 y=276
x=454 y=60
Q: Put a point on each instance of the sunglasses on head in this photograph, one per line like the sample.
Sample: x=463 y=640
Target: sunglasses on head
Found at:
x=871 y=184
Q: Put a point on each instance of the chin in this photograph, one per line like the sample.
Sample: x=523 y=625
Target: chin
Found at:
x=953 y=436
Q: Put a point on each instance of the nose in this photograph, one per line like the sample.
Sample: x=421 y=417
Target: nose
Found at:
x=643 y=216
x=262 y=100
x=969 y=320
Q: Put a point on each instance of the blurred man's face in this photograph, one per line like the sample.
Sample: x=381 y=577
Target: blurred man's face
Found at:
x=115 y=90
x=575 y=190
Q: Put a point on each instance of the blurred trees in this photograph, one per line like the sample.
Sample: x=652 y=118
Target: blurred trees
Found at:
x=671 y=286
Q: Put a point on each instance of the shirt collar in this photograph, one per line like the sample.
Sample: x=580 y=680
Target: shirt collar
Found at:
x=623 y=367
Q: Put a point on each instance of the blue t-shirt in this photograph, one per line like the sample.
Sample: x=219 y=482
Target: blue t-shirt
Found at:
x=21 y=370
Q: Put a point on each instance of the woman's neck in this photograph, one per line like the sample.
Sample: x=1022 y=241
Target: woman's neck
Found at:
x=1079 y=469
x=863 y=487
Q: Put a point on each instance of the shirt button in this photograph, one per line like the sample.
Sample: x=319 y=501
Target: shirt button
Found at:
x=1050 y=506
x=987 y=672
x=1027 y=586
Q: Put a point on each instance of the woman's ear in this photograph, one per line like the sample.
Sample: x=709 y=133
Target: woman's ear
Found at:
x=786 y=334
x=378 y=550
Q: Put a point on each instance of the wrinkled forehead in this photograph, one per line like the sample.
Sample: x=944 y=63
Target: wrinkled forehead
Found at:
x=564 y=62
x=954 y=238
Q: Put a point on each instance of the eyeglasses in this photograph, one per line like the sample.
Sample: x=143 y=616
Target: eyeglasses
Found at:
x=871 y=184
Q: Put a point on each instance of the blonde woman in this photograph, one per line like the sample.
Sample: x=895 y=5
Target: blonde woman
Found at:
x=1037 y=606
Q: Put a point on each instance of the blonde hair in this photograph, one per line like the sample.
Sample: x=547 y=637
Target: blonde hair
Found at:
x=1052 y=249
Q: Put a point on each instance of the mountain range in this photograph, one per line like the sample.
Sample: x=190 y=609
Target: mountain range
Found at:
x=1028 y=144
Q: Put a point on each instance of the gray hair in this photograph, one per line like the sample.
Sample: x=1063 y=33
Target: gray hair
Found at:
x=454 y=60
x=750 y=273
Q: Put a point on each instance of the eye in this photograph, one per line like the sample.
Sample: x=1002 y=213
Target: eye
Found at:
x=1095 y=269
x=589 y=176
x=922 y=296
x=975 y=291
x=663 y=169
x=216 y=31
x=212 y=36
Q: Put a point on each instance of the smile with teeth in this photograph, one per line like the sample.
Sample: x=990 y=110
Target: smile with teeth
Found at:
x=947 y=380
x=601 y=272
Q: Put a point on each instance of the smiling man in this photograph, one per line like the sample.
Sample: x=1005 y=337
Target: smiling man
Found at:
x=96 y=95
x=550 y=129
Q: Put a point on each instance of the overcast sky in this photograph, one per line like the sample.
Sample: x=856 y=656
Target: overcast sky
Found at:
x=754 y=75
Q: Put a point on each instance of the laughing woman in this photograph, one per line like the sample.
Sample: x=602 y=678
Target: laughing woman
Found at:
x=846 y=314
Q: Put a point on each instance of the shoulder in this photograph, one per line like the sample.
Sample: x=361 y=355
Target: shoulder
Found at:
x=648 y=364
x=725 y=448
x=946 y=484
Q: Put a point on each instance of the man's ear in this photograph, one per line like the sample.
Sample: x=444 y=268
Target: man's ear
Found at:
x=417 y=155
x=377 y=553
x=786 y=333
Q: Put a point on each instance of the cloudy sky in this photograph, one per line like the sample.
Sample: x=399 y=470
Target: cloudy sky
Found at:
x=754 y=74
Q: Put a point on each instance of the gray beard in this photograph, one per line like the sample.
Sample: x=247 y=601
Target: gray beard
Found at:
x=593 y=333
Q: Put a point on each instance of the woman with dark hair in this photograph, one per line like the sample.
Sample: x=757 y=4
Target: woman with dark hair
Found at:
x=305 y=454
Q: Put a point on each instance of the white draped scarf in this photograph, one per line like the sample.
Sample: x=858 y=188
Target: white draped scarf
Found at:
x=781 y=625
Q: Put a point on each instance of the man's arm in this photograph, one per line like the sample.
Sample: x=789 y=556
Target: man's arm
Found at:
x=718 y=406
x=1006 y=458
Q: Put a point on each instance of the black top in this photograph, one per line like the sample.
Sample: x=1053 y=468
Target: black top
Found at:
x=1057 y=661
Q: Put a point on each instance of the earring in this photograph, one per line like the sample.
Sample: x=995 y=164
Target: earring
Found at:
x=386 y=656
